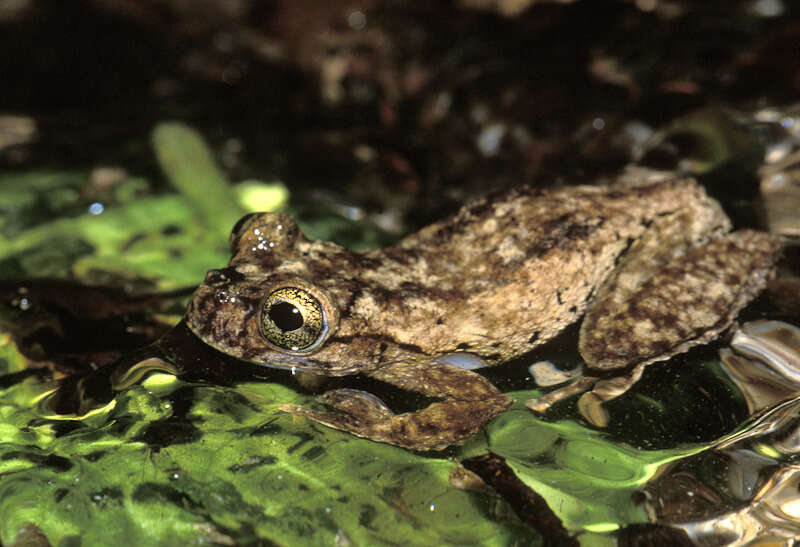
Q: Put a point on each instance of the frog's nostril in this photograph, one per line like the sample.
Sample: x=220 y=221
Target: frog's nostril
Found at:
x=222 y=276
x=214 y=277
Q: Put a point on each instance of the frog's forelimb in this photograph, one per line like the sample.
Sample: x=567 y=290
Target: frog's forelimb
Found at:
x=468 y=402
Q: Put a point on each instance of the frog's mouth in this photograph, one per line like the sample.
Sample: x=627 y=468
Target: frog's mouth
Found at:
x=293 y=363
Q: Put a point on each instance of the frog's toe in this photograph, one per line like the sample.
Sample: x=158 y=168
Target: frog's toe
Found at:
x=590 y=405
x=434 y=428
x=543 y=403
x=359 y=412
x=335 y=420
x=366 y=406
x=591 y=408
x=468 y=402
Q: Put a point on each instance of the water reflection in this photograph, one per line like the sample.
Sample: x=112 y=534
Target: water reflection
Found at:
x=764 y=362
x=780 y=173
x=747 y=489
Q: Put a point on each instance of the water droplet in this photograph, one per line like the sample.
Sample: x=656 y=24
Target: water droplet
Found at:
x=357 y=20
x=96 y=208
x=490 y=139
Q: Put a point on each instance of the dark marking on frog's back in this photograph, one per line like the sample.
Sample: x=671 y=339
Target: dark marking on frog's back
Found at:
x=562 y=234
x=403 y=256
x=475 y=213
x=347 y=259
x=411 y=289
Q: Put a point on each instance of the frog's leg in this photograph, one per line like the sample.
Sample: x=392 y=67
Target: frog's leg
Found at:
x=543 y=403
x=688 y=302
x=469 y=402
x=590 y=405
x=665 y=241
x=636 y=319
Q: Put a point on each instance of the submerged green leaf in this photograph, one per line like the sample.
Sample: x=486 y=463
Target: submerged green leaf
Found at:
x=11 y=360
x=587 y=478
x=222 y=462
x=171 y=240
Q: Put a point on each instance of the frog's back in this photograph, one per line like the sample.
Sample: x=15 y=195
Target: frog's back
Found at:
x=501 y=234
x=517 y=268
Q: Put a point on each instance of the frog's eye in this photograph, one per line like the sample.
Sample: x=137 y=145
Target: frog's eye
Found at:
x=293 y=319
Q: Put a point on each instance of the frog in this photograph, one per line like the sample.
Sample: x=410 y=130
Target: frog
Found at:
x=646 y=258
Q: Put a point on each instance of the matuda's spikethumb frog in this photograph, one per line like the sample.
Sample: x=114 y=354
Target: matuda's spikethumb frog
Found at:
x=648 y=260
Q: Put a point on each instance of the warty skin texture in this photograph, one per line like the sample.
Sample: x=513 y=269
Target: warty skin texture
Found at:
x=502 y=276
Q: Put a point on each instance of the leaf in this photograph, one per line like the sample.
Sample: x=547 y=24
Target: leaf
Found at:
x=222 y=462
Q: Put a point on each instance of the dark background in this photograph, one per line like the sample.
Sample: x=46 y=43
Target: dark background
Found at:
x=407 y=107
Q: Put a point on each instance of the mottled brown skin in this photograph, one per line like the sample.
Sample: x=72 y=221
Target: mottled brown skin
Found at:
x=502 y=276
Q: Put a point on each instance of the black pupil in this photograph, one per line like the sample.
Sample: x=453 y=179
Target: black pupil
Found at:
x=285 y=316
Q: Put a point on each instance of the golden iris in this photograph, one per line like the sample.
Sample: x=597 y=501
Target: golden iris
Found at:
x=293 y=319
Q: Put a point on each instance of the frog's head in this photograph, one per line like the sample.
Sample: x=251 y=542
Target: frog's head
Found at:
x=284 y=301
